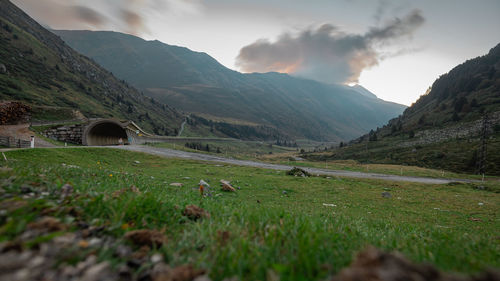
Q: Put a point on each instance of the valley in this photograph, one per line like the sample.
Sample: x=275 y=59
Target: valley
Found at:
x=155 y=162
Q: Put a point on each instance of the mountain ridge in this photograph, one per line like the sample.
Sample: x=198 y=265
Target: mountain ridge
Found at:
x=42 y=70
x=195 y=82
x=454 y=126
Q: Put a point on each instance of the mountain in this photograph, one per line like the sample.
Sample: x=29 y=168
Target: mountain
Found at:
x=362 y=90
x=454 y=126
x=38 y=68
x=197 y=83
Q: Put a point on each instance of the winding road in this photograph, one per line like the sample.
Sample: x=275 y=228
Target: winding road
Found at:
x=170 y=153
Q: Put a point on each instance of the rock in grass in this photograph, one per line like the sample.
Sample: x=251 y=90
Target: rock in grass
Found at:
x=226 y=186
x=162 y=272
x=26 y=189
x=99 y=272
x=297 y=172
x=373 y=264
x=204 y=184
x=48 y=224
x=178 y=184
x=386 y=194
x=194 y=212
x=124 y=190
x=146 y=237
x=66 y=190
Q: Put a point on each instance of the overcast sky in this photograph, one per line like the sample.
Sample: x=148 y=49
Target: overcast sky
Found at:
x=394 y=48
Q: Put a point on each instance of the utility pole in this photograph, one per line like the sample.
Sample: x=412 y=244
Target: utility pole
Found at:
x=484 y=142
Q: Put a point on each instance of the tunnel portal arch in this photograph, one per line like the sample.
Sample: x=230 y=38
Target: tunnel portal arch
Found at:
x=105 y=132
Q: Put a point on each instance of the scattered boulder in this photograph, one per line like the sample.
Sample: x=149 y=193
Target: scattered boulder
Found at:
x=226 y=186
x=386 y=194
x=146 y=237
x=297 y=172
x=194 y=212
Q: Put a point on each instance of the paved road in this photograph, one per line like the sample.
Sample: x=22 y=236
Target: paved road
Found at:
x=205 y=157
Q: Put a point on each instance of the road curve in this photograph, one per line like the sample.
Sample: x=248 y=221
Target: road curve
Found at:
x=165 y=152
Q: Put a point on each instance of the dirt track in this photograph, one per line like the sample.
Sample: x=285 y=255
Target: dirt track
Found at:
x=164 y=152
x=22 y=132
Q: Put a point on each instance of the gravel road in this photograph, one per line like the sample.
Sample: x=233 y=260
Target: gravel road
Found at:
x=205 y=157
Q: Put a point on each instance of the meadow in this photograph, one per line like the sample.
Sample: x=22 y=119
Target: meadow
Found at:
x=298 y=228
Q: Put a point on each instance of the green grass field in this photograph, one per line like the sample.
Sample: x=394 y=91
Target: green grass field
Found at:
x=275 y=222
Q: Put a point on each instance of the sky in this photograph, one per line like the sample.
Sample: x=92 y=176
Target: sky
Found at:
x=394 y=48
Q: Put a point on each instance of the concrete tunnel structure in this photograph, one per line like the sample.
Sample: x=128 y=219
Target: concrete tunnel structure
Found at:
x=103 y=132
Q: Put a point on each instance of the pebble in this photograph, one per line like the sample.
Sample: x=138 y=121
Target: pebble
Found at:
x=156 y=258
x=386 y=194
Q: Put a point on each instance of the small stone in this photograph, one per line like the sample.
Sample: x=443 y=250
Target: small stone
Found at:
x=49 y=224
x=386 y=194
x=202 y=278
x=83 y=244
x=178 y=184
x=156 y=258
x=26 y=189
x=134 y=189
x=226 y=186
x=146 y=237
x=204 y=184
x=99 y=272
x=180 y=273
x=137 y=162
x=123 y=251
x=194 y=212
x=95 y=242
x=480 y=203
x=284 y=192
x=66 y=190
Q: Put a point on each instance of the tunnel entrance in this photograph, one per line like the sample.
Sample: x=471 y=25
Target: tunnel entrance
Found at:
x=104 y=132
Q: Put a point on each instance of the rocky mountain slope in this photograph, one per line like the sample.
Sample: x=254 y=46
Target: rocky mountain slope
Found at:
x=38 y=68
x=197 y=83
x=455 y=126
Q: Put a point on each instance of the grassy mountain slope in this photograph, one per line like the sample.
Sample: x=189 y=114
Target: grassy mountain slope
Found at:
x=196 y=82
x=444 y=128
x=41 y=69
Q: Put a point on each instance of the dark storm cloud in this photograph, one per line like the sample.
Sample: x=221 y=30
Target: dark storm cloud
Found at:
x=326 y=53
x=88 y=15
